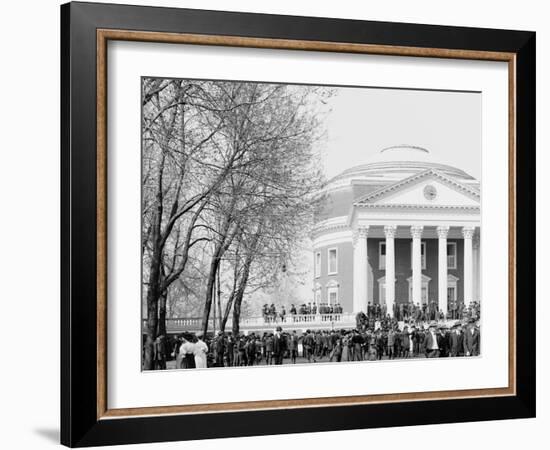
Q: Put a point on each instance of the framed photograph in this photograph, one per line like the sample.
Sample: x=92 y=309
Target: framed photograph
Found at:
x=276 y=224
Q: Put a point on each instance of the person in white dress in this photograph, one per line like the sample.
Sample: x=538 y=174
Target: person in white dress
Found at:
x=186 y=356
x=200 y=351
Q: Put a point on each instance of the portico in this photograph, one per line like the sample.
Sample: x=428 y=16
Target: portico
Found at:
x=399 y=232
x=418 y=283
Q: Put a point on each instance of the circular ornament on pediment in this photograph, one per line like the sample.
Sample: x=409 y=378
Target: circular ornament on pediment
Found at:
x=430 y=192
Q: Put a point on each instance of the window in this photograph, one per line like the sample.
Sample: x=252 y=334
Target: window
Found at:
x=317 y=293
x=451 y=255
x=332 y=292
x=318 y=297
x=332 y=261
x=451 y=294
x=422 y=255
x=451 y=288
x=424 y=288
x=382 y=256
x=317 y=264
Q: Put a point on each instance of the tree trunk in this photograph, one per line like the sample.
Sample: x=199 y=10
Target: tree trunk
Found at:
x=239 y=298
x=221 y=247
x=162 y=314
x=236 y=316
x=225 y=316
x=154 y=282
x=152 y=324
x=221 y=320
x=210 y=289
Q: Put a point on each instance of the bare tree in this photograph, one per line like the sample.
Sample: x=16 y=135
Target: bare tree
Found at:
x=184 y=166
x=269 y=198
x=228 y=171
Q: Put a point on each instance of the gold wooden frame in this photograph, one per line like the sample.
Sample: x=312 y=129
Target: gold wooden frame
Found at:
x=104 y=35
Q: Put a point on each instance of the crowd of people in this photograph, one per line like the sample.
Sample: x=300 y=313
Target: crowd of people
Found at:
x=409 y=312
x=270 y=313
x=401 y=311
x=188 y=349
x=424 y=312
x=388 y=341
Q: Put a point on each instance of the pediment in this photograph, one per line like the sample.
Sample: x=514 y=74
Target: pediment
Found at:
x=425 y=279
x=429 y=188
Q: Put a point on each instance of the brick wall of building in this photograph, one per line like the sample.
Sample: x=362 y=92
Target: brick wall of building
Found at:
x=403 y=270
x=344 y=277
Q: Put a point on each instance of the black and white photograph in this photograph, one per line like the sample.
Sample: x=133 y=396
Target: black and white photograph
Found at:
x=275 y=225
x=291 y=224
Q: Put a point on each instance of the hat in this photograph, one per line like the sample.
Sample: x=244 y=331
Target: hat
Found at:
x=187 y=336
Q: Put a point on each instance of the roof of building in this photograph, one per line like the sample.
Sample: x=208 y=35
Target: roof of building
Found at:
x=398 y=161
x=389 y=166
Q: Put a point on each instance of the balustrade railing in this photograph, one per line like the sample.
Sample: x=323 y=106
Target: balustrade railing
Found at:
x=195 y=323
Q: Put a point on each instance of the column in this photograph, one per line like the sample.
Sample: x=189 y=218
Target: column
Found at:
x=416 y=232
x=360 y=269
x=389 y=231
x=476 y=296
x=468 y=233
x=442 y=233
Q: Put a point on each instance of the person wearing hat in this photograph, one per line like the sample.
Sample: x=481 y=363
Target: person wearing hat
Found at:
x=259 y=349
x=279 y=346
x=431 y=345
x=358 y=344
x=422 y=331
x=318 y=344
x=293 y=346
x=220 y=349
x=390 y=343
x=380 y=343
x=230 y=349
x=240 y=346
x=309 y=343
x=251 y=349
x=443 y=341
x=471 y=339
x=269 y=349
x=336 y=354
x=456 y=340
x=159 y=353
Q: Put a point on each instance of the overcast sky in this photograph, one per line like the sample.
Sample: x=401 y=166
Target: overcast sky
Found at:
x=365 y=120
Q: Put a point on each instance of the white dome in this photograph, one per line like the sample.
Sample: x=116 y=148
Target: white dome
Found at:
x=390 y=165
x=395 y=163
x=402 y=153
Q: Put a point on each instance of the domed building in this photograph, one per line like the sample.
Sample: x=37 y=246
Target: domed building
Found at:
x=399 y=229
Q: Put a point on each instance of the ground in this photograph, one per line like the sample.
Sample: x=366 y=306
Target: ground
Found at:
x=286 y=361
